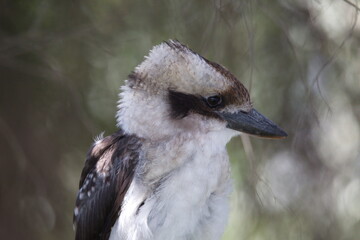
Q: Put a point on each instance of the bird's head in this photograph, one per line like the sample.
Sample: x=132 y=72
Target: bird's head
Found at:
x=177 y=91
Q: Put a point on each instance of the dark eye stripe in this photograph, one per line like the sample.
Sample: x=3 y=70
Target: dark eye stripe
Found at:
x=182 y=104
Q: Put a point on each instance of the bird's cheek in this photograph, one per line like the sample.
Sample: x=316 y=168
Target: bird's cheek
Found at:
x=214 y=124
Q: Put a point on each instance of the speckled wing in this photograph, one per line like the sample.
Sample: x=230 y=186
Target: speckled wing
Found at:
x=107 y=175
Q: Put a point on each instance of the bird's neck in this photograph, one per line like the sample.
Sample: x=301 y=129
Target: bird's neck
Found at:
x=172 y=153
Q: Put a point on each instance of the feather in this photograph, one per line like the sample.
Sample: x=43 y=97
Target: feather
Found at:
x=107 y=174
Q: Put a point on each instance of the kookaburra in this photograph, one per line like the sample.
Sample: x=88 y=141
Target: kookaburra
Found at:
x=164 y=174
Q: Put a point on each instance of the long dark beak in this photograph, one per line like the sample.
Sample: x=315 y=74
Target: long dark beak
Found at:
x=253 y=123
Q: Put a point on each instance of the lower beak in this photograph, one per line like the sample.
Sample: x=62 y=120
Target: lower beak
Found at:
x=253 y=123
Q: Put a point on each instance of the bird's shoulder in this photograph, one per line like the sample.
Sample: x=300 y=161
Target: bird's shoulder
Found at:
x=109 y=169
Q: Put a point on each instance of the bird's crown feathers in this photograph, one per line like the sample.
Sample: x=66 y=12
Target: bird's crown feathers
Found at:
x=173 y=66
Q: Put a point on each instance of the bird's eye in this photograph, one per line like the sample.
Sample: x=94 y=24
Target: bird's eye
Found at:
x=214 y=101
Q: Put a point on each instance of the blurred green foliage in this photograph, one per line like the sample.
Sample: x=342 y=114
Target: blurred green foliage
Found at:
x=62 y=63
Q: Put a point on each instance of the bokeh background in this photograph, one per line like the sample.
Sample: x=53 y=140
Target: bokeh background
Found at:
x=62 y=63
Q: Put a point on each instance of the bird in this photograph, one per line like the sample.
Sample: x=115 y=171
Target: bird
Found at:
x=165 y=173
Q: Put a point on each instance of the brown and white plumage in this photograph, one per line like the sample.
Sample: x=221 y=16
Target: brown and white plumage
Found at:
x=165 y=173
x=108 y=172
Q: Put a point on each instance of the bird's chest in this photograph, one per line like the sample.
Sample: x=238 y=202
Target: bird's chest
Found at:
x=187 y=202
x=183 y=195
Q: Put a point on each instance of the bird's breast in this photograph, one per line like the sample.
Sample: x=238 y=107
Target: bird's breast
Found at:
x=188 y=199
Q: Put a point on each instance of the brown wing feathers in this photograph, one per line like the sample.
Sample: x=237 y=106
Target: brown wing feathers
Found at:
x=108 y=172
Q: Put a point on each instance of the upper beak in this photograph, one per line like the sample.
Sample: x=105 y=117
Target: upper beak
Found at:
x=253 y=123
